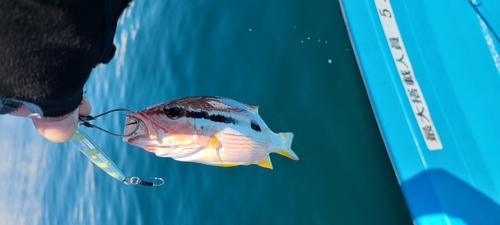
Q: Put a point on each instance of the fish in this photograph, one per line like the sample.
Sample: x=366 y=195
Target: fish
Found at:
x=210 y=130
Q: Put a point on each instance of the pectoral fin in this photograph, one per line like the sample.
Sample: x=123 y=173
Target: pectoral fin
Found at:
x=213 y=142
x=207 y=142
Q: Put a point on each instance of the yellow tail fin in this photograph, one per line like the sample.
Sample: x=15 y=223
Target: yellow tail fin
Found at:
x=286 y=139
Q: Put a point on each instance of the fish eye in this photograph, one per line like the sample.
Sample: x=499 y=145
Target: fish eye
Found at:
x=173 y=110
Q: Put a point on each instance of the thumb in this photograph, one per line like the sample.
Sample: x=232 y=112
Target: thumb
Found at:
x=59 y=129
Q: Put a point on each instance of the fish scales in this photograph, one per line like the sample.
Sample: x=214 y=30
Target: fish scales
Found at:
x=210 y=130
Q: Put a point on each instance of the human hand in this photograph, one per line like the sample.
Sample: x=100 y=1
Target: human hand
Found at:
x=57 y=129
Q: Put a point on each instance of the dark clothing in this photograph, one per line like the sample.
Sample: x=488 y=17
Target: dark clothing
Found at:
x=49 y=47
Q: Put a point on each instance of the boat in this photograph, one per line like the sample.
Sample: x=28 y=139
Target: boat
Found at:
x=432 y=73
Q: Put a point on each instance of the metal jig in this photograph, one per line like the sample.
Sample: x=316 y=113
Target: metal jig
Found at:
x=85 y=122
x=98 y=157
x=133 y=180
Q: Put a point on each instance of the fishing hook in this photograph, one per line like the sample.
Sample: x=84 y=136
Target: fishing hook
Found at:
x=133 y=180
x=85 y=122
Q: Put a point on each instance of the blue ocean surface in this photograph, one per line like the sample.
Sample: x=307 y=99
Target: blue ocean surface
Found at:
x=292 y=58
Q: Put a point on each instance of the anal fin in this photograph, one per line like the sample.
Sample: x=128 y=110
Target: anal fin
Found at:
x=266 y=163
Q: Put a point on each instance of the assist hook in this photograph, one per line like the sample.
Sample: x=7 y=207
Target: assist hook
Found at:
x=85 y=122
x=136 y=180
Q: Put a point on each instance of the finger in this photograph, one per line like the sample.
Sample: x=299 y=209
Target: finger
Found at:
x=85 y=108
x=21 y=111
x=57 y=130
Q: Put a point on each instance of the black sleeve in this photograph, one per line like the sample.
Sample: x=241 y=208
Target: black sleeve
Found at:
x=49 y=47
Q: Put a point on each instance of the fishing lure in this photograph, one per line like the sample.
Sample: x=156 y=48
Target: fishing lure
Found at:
x=90 y=149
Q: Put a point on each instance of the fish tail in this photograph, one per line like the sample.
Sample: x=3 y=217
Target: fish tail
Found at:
x=286 y=139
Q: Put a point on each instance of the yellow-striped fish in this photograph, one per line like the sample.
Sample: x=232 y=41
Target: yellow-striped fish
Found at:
x=210 y=130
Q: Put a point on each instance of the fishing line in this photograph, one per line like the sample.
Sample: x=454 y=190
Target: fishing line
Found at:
x=90 y=149
x=85 y=122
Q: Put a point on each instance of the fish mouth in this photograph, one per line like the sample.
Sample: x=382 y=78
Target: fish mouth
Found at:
x=137 y=127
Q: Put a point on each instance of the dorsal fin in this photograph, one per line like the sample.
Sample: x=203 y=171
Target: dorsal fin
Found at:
x=254 y=109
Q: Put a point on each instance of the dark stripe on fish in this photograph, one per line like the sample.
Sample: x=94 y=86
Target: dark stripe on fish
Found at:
x=255 y=126
x=213 y=118
x=222 y=119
